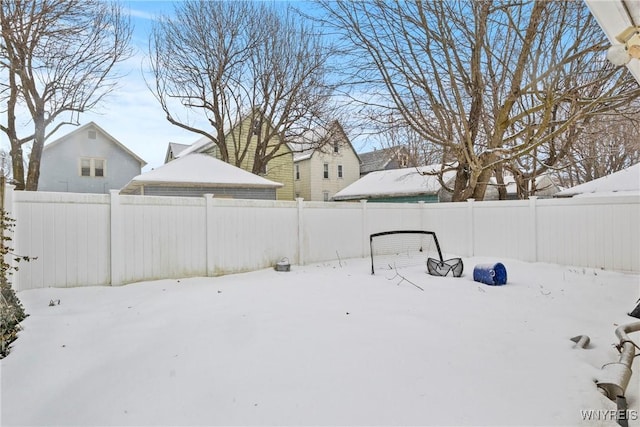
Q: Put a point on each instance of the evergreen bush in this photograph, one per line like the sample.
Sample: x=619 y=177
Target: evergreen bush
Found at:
x=11 y=310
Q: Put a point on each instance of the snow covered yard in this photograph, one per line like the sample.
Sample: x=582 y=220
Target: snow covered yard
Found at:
x=324 y=344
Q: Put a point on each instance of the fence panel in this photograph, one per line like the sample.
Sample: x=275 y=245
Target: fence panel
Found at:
x=90 y=239
x=250 y=234
x=501 y=229
x=332 y=230
x=449 y=222
x=590 y=232
x=394 y=216
x=162 y=237
x=69 y=235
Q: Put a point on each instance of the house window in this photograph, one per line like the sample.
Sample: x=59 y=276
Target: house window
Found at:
x=297 y=172
x=326 y=171
x=325 y=196
x=98 y=167
x=92 y=167
x=336 y=147
x=92 y=134
x=256 y=127
x=85 y=167
x=263 y=169
x=339 y=171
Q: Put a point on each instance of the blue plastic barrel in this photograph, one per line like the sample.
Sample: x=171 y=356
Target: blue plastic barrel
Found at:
x=490 y=274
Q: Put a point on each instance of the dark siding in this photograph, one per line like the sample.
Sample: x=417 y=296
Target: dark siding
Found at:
x=235 y=193
x=427 y=198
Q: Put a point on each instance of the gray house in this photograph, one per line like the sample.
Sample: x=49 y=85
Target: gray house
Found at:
x=384 y=159
x=87 y=160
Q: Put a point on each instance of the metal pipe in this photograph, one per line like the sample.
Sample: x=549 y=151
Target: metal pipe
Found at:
x=615 y=376
x=581 y=341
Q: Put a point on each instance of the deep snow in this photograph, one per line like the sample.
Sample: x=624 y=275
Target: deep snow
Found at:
x=324 y=344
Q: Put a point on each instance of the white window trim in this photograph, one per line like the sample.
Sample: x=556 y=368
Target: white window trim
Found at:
x=340 y=172
x=326 y=174
x=92 y=167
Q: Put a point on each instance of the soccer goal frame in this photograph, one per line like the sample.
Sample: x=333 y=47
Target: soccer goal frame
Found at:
x=373 y=236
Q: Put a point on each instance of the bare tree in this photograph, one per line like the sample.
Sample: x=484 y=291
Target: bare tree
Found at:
x=391 y=131
x=487 y=82
x=58 y=57
x=606 y=145
x=220 y=62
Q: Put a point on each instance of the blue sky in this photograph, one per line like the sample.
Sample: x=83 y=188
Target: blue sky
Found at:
x=131 y=114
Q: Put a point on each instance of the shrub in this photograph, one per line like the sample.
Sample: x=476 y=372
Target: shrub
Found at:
x=11 y=310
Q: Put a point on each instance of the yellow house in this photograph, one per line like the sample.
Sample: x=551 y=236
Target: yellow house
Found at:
x=324 y=162
x=278 y=169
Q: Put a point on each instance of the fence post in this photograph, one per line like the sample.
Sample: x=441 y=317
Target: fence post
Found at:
x=300 y=205
x=533 y=226
x=209 y=235
x=470 y=233
x=365 y=227
x=116 y=243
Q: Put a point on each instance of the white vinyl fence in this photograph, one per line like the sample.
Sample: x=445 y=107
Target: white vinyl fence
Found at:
x=92 y=239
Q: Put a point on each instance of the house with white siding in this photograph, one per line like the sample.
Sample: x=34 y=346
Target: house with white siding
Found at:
x=87 y=160
x=324 y=162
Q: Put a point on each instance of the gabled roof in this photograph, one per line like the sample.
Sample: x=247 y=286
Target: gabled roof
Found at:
x=305 y=145
x=104 y=132
x=202 y=143
x=395 y=182
x=623 y=183
x=378 y=160
x=174 y=149
x=200 y=169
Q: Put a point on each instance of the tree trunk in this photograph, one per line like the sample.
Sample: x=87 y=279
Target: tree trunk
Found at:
x=33 y=174
x=17 y=160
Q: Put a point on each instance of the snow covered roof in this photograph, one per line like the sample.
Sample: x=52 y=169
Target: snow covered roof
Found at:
x=302 y=150
x=200 y=169
x=395 y=182
x=623 y=183
x=196 y=146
